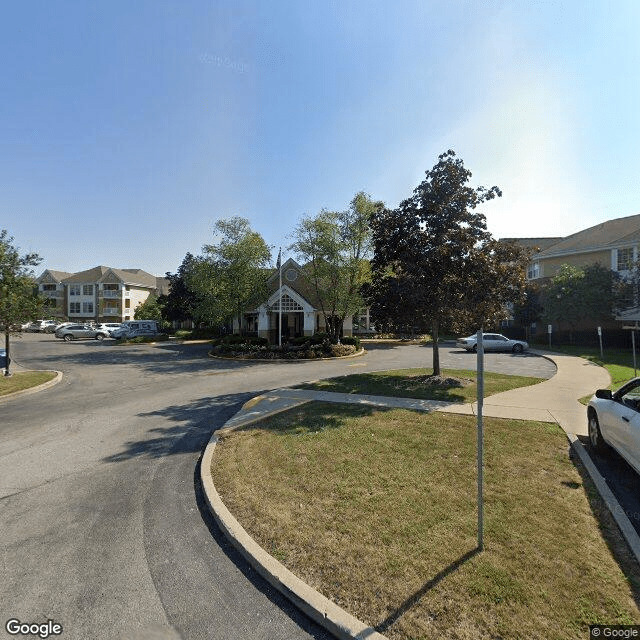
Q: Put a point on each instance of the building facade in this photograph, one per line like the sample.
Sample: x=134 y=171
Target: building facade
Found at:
x=101 y=294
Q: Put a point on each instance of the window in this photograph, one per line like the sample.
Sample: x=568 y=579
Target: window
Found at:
x=127 y=303
x=48 y=287
x=87 y=290
x=74 y=290
x=291 y=275
x=288 y=304
x=74 y=307
x=110 y=287
x=533 y=271
x=625 y=259
x=87 y=307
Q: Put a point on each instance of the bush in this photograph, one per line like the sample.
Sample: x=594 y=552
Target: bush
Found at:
x=339 y=350
x=354 y=340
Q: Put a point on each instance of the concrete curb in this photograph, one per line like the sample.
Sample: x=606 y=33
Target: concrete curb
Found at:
x=618 y=513
x=287 y=360
x=40 y=387
x=318 y=607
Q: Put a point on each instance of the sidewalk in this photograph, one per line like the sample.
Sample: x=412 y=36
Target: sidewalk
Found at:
x=554 y=400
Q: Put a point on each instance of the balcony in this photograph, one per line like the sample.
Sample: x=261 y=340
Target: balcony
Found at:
x=111 y=311
x=52 y=294
x=108 y=293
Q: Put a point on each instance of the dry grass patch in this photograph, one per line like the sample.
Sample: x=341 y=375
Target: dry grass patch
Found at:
x=24 y=380
x=415 y=383
x=376 y=509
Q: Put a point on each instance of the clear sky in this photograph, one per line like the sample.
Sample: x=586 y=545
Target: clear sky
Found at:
x=128 y=127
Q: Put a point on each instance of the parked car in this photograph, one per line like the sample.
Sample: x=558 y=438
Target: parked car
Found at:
x=109 y=327
x=134 y=328
x=3 y=360
x=75 y=331
x=492 y=342
x=614 y=421
x=37 y=325
x=54 y=327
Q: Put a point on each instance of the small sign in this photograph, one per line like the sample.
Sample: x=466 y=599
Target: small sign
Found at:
x=599 y=331
x=548 y=328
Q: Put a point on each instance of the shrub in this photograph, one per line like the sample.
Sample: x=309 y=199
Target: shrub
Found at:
x=354 y=340
x=338 y=350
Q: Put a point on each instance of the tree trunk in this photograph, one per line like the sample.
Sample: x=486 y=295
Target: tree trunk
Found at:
x=436 y=352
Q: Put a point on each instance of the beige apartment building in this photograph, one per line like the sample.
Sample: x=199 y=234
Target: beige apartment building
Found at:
x=101 y=294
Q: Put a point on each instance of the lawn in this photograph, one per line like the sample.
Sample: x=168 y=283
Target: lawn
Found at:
x=24 y=380
x=410 y=383
x=377 y=510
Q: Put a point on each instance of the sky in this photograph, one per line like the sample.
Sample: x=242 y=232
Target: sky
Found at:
x=128 y=128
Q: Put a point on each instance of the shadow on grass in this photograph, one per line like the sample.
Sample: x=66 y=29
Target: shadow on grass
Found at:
x=314 y=417
x=417 y=596
x=608 y=528
x=389 y=385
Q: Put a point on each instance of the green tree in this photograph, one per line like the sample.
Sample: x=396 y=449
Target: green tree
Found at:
x=231 y=275
x=575 y=294
x=334 y=247
x=452 y=272
x=181 y=301
x=19 y=301
x=150 y=309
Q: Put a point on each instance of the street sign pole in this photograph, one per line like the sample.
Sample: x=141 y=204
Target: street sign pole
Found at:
x=480 y=394
x=633 y=345
x=600 y=338
x=549 y=328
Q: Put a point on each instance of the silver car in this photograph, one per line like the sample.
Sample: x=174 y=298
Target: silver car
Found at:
x=492 y=342
x=75 y=331
x=614 y=421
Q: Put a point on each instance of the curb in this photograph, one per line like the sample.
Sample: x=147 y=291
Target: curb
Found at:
x=618 y=513
x=40 y=387
x=318 y=607
x=285 y=360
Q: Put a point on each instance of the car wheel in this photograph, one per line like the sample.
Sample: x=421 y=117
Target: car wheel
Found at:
x=100 y=337
x=475 y=348
x=67 y=338
x=517 y=348
x=595 y=435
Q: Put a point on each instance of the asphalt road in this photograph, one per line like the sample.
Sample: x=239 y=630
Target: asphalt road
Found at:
x=103 y=526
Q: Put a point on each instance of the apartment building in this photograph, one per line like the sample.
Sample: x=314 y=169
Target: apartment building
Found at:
x=101 y=294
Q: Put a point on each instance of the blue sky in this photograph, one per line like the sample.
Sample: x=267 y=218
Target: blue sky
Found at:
x=128 y=128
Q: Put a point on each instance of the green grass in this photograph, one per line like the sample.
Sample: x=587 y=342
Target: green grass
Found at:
x=409 y=383
x=377 y=510
x=24 y=380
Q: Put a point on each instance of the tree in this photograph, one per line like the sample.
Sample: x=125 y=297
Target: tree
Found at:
x=575 y=294
x=436 y=249
x=229 y=276
x=334 y=247
x=528 y=311
x=19 y=301
x=180 y=302
x=150 y=309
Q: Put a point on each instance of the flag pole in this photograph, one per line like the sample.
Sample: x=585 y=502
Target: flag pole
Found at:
x=280 y=299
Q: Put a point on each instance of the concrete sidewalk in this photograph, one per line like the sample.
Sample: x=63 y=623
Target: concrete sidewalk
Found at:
x=554 y=400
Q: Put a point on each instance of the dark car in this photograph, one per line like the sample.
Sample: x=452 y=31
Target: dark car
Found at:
x=76 y=331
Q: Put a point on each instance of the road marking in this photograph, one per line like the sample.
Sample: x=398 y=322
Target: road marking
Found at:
x=359 y=364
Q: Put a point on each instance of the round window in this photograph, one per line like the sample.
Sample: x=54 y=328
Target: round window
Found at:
x=291 y=275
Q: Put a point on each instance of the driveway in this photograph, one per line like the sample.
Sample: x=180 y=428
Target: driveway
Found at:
x=103 y=526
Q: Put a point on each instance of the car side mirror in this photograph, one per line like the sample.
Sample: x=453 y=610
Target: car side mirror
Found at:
x=604 y=394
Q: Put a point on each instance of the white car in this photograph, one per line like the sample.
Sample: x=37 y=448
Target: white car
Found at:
x=109 y=327
x=492 y=342
x=614 y=421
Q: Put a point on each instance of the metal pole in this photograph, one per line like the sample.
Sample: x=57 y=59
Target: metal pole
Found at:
x=480 y=394
x=633 y=344
x=280 y=299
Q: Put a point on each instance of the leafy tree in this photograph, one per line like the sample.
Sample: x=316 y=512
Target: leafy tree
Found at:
x=19 y=301
x=181 y=301
x=575 y=294
x=452 y=273
x=231 y=275
x=334 y=247
x=150 y=309
x=529 y=310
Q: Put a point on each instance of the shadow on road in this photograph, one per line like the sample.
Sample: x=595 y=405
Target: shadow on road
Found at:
x=197 y=420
